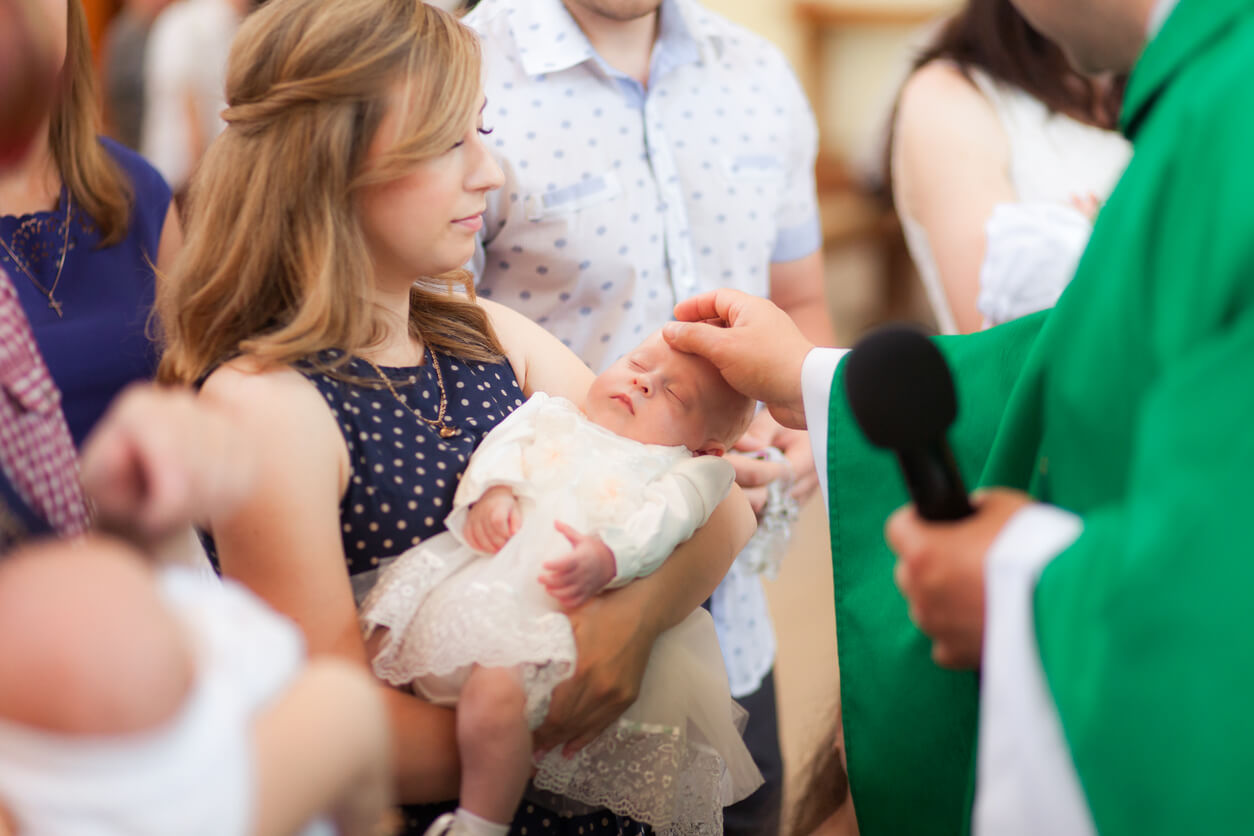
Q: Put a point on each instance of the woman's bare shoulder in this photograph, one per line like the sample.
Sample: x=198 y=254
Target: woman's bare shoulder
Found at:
x=541 y=361
x=945 y=128
x=246 y=381
x=272 y=402
x=939 y=100
x=938 y=85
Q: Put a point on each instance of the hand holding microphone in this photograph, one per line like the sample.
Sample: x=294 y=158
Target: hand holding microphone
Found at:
x=902 y=396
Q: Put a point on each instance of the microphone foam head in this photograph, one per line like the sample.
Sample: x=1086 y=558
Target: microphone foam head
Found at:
x=899 y=388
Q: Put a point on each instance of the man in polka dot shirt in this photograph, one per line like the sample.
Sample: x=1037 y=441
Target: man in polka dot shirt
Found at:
x=652 y=151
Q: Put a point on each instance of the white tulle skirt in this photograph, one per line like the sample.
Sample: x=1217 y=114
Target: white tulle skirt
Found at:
x=673 y=760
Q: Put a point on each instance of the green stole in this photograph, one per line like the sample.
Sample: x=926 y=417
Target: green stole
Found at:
x=1129 y=404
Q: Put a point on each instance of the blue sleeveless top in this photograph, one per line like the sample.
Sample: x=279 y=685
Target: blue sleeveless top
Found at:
x=404 y=474
x=106 y=293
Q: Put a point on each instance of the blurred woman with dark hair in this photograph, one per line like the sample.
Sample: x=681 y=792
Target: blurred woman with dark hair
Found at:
x=1001 y=155
x=82 y=222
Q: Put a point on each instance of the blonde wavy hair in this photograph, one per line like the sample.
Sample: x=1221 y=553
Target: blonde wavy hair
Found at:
x=275 y=263
x=95 y=182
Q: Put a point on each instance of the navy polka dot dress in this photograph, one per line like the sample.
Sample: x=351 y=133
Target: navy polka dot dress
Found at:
x=404 y=475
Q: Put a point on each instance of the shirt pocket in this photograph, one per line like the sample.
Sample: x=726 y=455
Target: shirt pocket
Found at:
x=756 y=184
x=573 y=198
x=755 y=187
x=754 y=168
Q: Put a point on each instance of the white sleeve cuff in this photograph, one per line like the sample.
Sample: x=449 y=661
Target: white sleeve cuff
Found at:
x=817 y=372
x=1032 y=538
x=1026 y=781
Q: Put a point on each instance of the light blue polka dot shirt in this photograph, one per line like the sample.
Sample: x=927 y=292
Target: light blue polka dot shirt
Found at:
x=620 y=200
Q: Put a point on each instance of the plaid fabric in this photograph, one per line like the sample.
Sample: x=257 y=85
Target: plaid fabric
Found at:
x=36 y=453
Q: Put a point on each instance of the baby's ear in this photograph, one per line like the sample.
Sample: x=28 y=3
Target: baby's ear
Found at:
x=712 y=447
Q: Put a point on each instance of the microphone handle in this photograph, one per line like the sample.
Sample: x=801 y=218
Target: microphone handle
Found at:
x=934 y=482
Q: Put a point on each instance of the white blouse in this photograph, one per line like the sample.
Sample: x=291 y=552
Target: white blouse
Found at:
x=1032 y=245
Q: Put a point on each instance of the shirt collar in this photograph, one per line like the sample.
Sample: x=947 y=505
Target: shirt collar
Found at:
x=549 y=40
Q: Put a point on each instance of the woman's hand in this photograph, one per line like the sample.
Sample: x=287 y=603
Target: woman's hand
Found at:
x=754 y=474
x=612 y=648
x=492 y=520
x=1087 y=205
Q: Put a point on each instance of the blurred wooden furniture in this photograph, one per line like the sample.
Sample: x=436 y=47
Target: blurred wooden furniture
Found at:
x=99 y=13
x=851 y=209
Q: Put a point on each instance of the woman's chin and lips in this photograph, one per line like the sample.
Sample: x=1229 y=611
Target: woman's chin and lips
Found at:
x=471 y=224
x=463 y=231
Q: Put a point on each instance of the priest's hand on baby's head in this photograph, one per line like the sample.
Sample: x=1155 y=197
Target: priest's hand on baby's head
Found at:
x=756 y=347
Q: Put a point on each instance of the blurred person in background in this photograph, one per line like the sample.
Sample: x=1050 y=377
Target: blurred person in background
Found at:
x=176 y=736
x=157 y=458
x=185 y=82
x=82 y=221
x=27 y=73
x=122 y=69
x=1001 y=155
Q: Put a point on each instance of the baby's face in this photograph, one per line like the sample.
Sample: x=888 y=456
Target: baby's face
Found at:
x=658 y=395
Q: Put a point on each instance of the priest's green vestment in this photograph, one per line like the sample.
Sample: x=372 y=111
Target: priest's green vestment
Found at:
x=1130 y=404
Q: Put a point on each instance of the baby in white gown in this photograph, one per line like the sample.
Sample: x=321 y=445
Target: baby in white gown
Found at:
x=142 y=701
x=474 y=616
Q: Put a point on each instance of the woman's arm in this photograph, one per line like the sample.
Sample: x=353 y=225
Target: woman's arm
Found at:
x=614 y=632
x=951 y=166
x=285 y=545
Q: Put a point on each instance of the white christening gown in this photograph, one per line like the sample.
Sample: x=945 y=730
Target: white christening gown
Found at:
x=675 y=758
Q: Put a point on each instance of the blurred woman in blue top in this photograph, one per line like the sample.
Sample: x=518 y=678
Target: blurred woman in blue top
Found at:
x=83 y=221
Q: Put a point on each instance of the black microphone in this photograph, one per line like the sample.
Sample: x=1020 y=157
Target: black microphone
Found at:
x=902 y=397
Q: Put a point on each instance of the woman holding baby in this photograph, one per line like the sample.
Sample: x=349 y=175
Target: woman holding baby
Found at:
x=319 y=301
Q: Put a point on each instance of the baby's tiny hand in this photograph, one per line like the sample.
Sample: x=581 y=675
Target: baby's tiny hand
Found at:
x=578 y=576
x=492 y=520
x=1087 y=205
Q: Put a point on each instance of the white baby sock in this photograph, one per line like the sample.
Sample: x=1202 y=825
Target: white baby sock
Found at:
x=476 y=826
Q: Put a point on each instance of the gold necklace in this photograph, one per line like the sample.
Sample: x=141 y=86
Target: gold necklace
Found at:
x=438 y=423
x=65 y=248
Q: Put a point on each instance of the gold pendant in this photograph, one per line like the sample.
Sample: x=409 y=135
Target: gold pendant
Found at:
x=56 y=307
x=448 y=432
